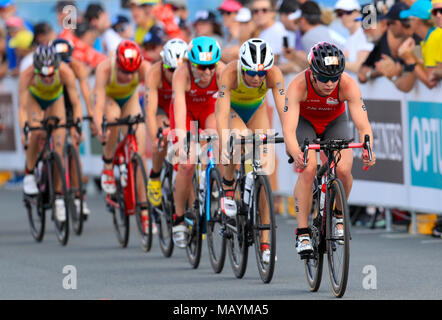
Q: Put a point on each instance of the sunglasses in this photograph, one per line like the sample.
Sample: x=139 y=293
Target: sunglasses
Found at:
x=204 y=67
x=227 y=13
x=340 y=13
x=127 y=72
x=327 y=79
x=263 y=10
x=167 y=67
x=252 y=73
x=434 y=12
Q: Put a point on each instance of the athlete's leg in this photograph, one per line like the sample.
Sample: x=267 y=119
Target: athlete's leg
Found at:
x=112 y=112
x=34 y=115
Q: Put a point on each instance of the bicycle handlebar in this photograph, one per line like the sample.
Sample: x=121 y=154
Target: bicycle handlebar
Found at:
x=336 y=145
x=130 y=120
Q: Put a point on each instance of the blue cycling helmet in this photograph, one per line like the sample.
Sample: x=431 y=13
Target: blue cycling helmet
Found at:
x=204 y=51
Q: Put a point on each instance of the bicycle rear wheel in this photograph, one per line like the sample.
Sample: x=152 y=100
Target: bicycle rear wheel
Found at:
x=194 y=223
x=119 y=218
x=264 y=227
x=35 y=205
x=313 y=265
x=338 y=248
x=141 y=203
x=165 y=218
x=236 y=230
x=216 y=242
x=56 y=170
x=73 y=173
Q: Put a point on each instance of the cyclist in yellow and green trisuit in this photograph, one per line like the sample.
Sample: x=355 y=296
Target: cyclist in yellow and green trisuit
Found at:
x=244 y=84
x=40 y=96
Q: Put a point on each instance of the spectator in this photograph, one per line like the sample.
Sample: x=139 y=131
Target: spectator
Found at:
x=3 y=56
x=142 y=14
x=378 y=35
x=179 y=8
x=392 y=66
x=166 y=19
x=96 y=17
x=13 y=26
x=63 y=19
x=420 y=21
x=43 y=34
x=357 y=48
x=272 y=31
x=153 y=44
x=308 y=19
x=22 y=43
x=87 y=34
x=205 y=24
x=229 y=9
x=437 y=15
x=287 y=8
x=83 y=51
x=8 y=9
x=121 y=25
x=247 y=30
x=294 y=44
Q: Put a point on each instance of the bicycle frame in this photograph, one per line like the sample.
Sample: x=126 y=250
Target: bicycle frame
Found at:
x=123 y=155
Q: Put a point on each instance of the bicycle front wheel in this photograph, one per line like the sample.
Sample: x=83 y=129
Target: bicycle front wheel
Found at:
x=194 y=223
x=216 y=242
x=119 y=217
x=264 y=227
x=143 y=211
x=338 y=247
x=56 y=171
x=35 y=205
x=237 y=232
x=165 y=218
x=73 y=173
x=313 y=265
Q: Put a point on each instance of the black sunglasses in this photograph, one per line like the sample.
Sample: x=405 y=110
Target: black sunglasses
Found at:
x=340 y=13
x=434 y=12
x=326 y=79
x=227 y=13
x=204 y=67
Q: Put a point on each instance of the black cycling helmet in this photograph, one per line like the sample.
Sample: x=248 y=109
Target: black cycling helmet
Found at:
x=326 y=59
x=46 y=60
x=64 y=49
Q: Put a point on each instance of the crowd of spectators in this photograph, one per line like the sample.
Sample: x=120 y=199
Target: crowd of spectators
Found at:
x=400 y=39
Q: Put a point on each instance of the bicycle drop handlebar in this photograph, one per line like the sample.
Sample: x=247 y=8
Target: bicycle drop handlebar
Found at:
x=127 y=121
x=337 y=145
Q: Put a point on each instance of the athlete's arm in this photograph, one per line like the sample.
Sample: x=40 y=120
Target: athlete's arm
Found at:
x=82 y=74
x=102 y=75
x=296 y=92
x=275 y=80
x=152 y=83
x=23 y=101
x=67 y=77
x=228 y=81
x=180 y=83
x=349 y=91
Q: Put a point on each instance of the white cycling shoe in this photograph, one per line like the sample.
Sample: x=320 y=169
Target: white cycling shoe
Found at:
x=339 y=233
x=179 y=235
x=60 y=210
x=86 y=210
x=304 y=248
x=228 y=206
x=30 y=185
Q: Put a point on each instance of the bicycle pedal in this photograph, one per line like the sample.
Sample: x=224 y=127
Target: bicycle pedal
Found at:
x=225 y=234
x=307 y=255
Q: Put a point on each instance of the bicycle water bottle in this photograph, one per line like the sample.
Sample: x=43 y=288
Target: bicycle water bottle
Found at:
x=248 y=187
x=123 y=175
x=322 y=201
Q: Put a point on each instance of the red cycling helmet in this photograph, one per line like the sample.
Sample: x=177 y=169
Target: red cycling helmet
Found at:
x=129 y=56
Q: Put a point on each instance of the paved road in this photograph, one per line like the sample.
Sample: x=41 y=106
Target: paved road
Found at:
x=405 y=266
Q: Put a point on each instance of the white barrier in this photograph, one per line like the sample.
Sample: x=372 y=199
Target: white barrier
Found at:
x=407 y=142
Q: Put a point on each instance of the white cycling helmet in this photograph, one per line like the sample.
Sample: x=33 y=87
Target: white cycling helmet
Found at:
x=255 y=54
x=173 y=53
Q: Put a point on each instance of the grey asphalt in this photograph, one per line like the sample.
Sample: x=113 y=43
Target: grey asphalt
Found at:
x=399 y=265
